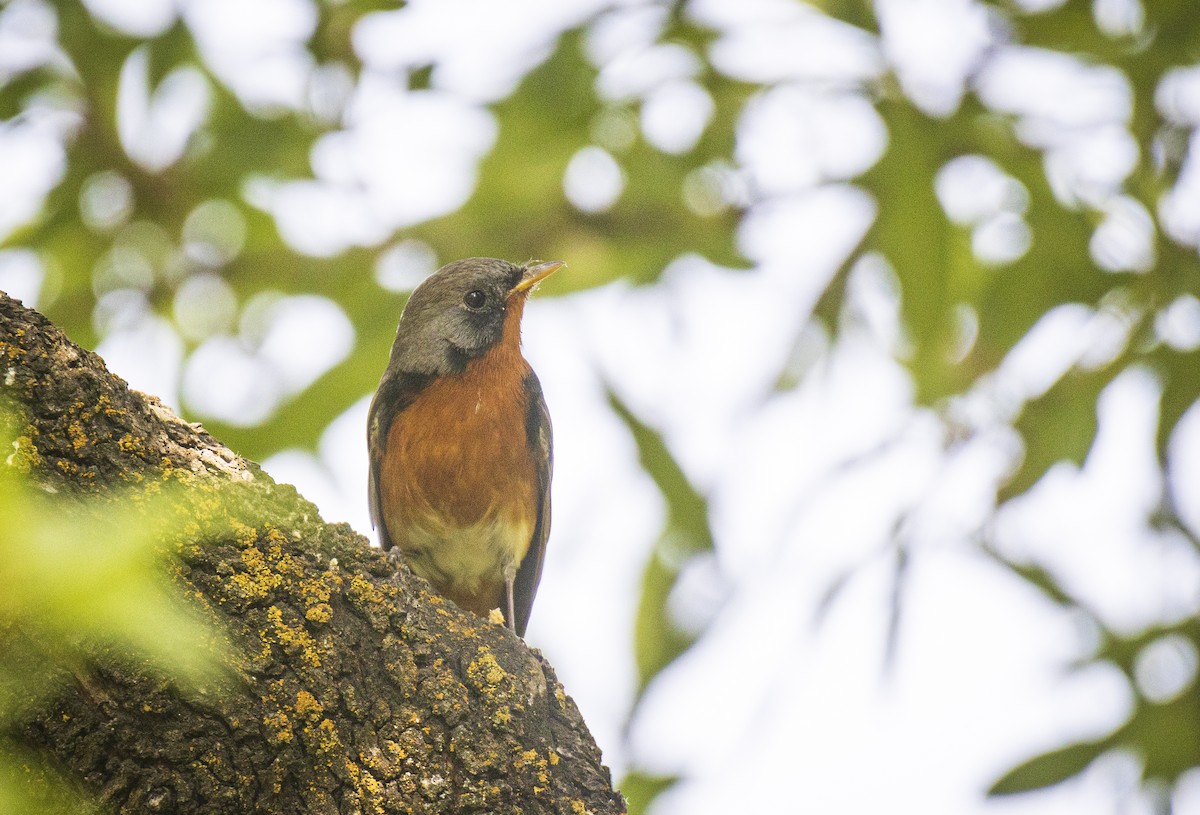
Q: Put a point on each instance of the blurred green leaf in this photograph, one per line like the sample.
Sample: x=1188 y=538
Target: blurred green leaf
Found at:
x=858 y=13
x=640 y=789
x=83 y=577
x=1179 y=374
x=657 y=640
x=1058 y=426
x=921 y=245
x=333 y=38
x=1165 y=736
x=168 y=51
x=1049 y=768
x=1070 y=27
x=29 y=787
x=1162 y=734
x=16 y=90
x=1037 y=577
x=89 y=582
x=519 y=209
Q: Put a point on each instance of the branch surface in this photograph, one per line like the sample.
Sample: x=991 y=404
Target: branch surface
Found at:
x=357 y=689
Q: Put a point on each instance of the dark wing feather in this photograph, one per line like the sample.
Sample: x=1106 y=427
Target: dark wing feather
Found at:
x=396 y=392
x=538 y=434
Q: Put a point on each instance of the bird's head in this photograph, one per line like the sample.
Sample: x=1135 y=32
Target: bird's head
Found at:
x=462 y=310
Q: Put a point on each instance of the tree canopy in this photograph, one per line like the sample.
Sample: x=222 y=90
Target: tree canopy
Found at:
x=1000 y=196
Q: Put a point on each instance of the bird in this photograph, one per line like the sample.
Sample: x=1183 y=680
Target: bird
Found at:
x=460 y=441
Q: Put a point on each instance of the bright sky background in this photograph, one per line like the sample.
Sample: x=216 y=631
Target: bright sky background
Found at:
x=786 y=705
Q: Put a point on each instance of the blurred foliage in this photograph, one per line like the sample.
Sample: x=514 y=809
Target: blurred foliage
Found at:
x=1161 y=730
x=73 y=600
x=657 y=640
x=640 y=789
x=962 y=311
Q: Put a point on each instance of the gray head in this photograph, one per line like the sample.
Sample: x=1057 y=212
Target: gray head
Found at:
x=459 y=311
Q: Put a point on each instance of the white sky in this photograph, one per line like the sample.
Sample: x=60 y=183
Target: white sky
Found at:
x=778 y=708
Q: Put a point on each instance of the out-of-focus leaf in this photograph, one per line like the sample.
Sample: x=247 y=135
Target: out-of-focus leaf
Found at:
x=332 y=39
x=919 y=242
x=16 y=90
x=855 y=12
x=1058 y=426
x=1056 y=268
x=933 y=260
x=657 y=640
x=81 y=578
x=1037 y=577
x=1049 y=768
x=87 y=582
x=1181 y=389
x=1178 y=370
x=1165 y=735
x=1070 y=27
x=308 y=415
x=169 y=51
x=520 y=210
x=230 y=146
x=29 y=786
x=640 y=789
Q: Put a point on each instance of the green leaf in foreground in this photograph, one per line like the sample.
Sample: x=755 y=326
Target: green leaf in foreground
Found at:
x=640 y=789
x=89 y=579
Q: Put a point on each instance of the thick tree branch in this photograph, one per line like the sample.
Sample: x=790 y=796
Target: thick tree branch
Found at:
x=358 y=691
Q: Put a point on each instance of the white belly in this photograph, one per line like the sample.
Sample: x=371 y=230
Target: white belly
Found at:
x=466 y=557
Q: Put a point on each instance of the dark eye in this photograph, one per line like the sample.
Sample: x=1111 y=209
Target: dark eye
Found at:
x=474 y=299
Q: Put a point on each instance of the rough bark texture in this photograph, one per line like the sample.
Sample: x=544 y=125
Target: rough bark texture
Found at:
x=359 y=691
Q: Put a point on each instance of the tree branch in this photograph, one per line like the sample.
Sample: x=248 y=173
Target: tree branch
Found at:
x=357 y=689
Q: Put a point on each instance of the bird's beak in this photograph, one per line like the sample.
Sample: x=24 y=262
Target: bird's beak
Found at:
x=536 y=274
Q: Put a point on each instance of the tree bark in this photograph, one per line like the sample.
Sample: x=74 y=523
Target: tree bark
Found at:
x=358 y=689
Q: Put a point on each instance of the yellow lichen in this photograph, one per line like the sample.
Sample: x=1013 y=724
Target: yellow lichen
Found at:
x=308 y=706
x=531 y=758
x=369 y=788
x=485 y=672
x=394 y=750
x=245 y=535
x=320 y=613
x=364 y=592
x=293 y=639
x=25 y=456
x=258 y=581
x=279 y=727
x=325 y=733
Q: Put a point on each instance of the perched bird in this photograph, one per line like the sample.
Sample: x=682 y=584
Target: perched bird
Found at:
x=459 y=440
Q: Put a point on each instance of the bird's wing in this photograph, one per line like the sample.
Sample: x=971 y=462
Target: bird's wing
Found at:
x=396 y=392
x=538 y=435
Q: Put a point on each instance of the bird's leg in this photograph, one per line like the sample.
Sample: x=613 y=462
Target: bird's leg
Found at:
x=511 y=616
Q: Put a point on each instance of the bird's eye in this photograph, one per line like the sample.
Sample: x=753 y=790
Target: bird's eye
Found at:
x=474 y=299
